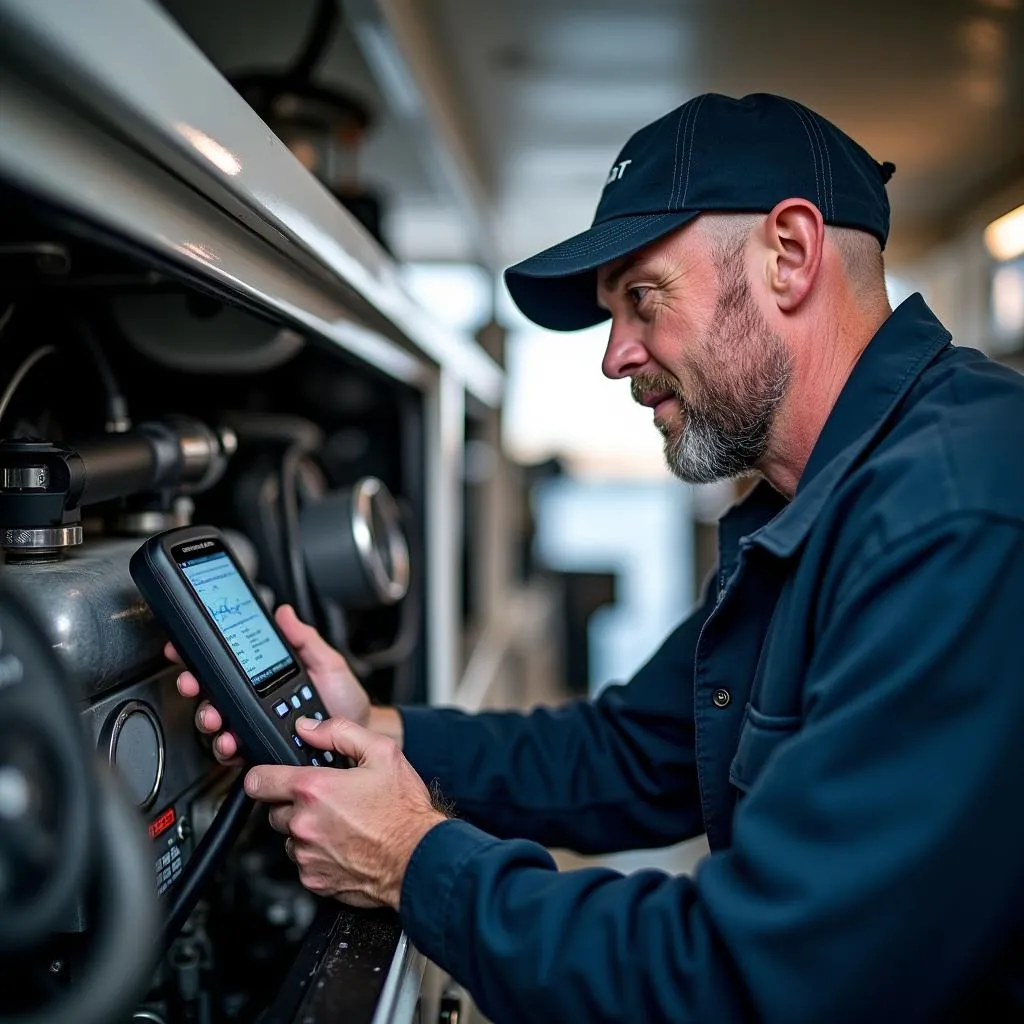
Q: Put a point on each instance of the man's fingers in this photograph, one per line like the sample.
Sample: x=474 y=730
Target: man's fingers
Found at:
x=225 y=747
x=170 y=653
x=188 y=685
x=316 y=653
x=280 y=817
x=338 y=734
x=208 y=718
x=275 y=784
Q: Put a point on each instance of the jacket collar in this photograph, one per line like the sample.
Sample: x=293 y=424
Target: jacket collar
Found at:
x=896 y=356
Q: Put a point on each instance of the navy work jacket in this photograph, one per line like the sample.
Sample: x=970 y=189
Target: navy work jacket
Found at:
x=843 y=716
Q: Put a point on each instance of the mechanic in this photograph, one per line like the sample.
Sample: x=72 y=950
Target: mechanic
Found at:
x=843 y=715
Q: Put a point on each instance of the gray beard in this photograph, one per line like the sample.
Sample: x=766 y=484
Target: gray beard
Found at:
x=722 y=438
x=727 y=421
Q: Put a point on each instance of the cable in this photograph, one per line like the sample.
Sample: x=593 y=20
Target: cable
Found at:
x=296 y=564
x=219 y=838
x=19 y=375
x=5 y=319
x=117 y=418
x=318 y=37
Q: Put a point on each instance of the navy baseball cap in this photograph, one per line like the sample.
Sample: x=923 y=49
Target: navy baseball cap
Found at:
x=712 y=153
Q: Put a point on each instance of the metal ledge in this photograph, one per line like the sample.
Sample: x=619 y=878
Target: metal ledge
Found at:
x=136 y=76
x=355 y=966
x=52 y=152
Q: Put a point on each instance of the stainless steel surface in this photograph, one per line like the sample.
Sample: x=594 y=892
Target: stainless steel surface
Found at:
x=445 y=432
x=372 y=503
x=138 y=73
x=92 y=614
x=397 y=1002
x=23 y=478
x=45 y=539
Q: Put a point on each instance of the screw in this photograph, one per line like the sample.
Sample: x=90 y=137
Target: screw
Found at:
x=56 y=966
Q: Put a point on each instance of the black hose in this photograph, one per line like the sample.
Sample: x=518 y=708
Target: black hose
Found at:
x=219 y=838
x=294 y=558
x=315 y=44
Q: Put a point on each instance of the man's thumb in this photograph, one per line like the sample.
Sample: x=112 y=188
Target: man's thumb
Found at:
x=337 y=734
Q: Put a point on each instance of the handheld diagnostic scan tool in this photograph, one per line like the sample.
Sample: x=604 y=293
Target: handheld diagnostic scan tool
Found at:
x=218 y=625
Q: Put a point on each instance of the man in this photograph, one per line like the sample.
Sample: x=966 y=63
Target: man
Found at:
x=843 y=714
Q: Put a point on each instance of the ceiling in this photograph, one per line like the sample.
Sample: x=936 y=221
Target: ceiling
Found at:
x=526 y=102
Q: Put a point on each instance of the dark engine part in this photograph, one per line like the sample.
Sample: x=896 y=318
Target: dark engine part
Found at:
x=44 y=486
x=110 y=650
x=355 y=551
x=338 y=555
x=65 y=826
x=93 y=614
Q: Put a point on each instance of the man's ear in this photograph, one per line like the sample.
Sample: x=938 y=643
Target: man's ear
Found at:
x=794 y=235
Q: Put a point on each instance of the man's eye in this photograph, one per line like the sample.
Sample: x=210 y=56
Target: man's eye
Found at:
x=636 y=295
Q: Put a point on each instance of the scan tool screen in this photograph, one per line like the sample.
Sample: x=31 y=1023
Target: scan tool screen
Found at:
x=238 y=615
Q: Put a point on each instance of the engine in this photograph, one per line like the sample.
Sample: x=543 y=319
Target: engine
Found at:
x=134 y=402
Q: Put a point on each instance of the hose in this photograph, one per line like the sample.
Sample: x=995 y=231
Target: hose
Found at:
x=219 y=838
x=20 y=373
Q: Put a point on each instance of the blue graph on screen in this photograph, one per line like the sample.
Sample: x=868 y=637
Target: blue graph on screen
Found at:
x=238 y=615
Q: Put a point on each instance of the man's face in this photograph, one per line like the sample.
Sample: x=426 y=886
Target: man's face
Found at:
x=687 y=332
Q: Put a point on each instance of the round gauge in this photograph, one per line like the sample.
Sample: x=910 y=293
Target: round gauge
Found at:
x=134 y=745
x=356 y=551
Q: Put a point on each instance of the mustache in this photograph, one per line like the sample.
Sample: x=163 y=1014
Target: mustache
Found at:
x=648 y=383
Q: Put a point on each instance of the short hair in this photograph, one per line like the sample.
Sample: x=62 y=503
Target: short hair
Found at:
x=860 y=251
x=862 y=259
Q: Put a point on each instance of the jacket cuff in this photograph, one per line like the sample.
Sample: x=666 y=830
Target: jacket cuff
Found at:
x=430 y=880
x=426 y=743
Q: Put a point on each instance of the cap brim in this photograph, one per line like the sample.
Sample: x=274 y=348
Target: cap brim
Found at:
x=557 y=288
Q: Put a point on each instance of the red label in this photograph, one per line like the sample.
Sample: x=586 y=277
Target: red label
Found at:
x=162 y=823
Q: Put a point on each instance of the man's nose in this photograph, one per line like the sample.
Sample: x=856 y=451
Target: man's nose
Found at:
x=625 y=354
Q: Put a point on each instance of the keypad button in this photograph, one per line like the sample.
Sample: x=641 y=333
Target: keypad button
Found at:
x=328 y=756
x=298 y=742
x=296 y=702
x=307 y=693
x=318 y=715
x=314 y=762
x=281 y=709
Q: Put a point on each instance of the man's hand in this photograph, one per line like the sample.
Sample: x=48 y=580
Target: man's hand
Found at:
x=351 y=831
x=338 y=687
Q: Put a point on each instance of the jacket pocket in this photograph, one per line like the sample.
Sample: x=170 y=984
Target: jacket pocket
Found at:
x=760 y=734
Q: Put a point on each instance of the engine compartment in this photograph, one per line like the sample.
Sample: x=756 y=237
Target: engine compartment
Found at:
x=137 y=399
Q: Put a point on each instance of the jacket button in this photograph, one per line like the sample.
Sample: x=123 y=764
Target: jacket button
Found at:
x=721 y=698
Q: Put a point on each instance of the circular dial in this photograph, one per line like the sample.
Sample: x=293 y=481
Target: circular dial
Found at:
x=134 y=744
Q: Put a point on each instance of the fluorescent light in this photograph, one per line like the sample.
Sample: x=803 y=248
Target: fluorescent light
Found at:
x=1004 y=238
